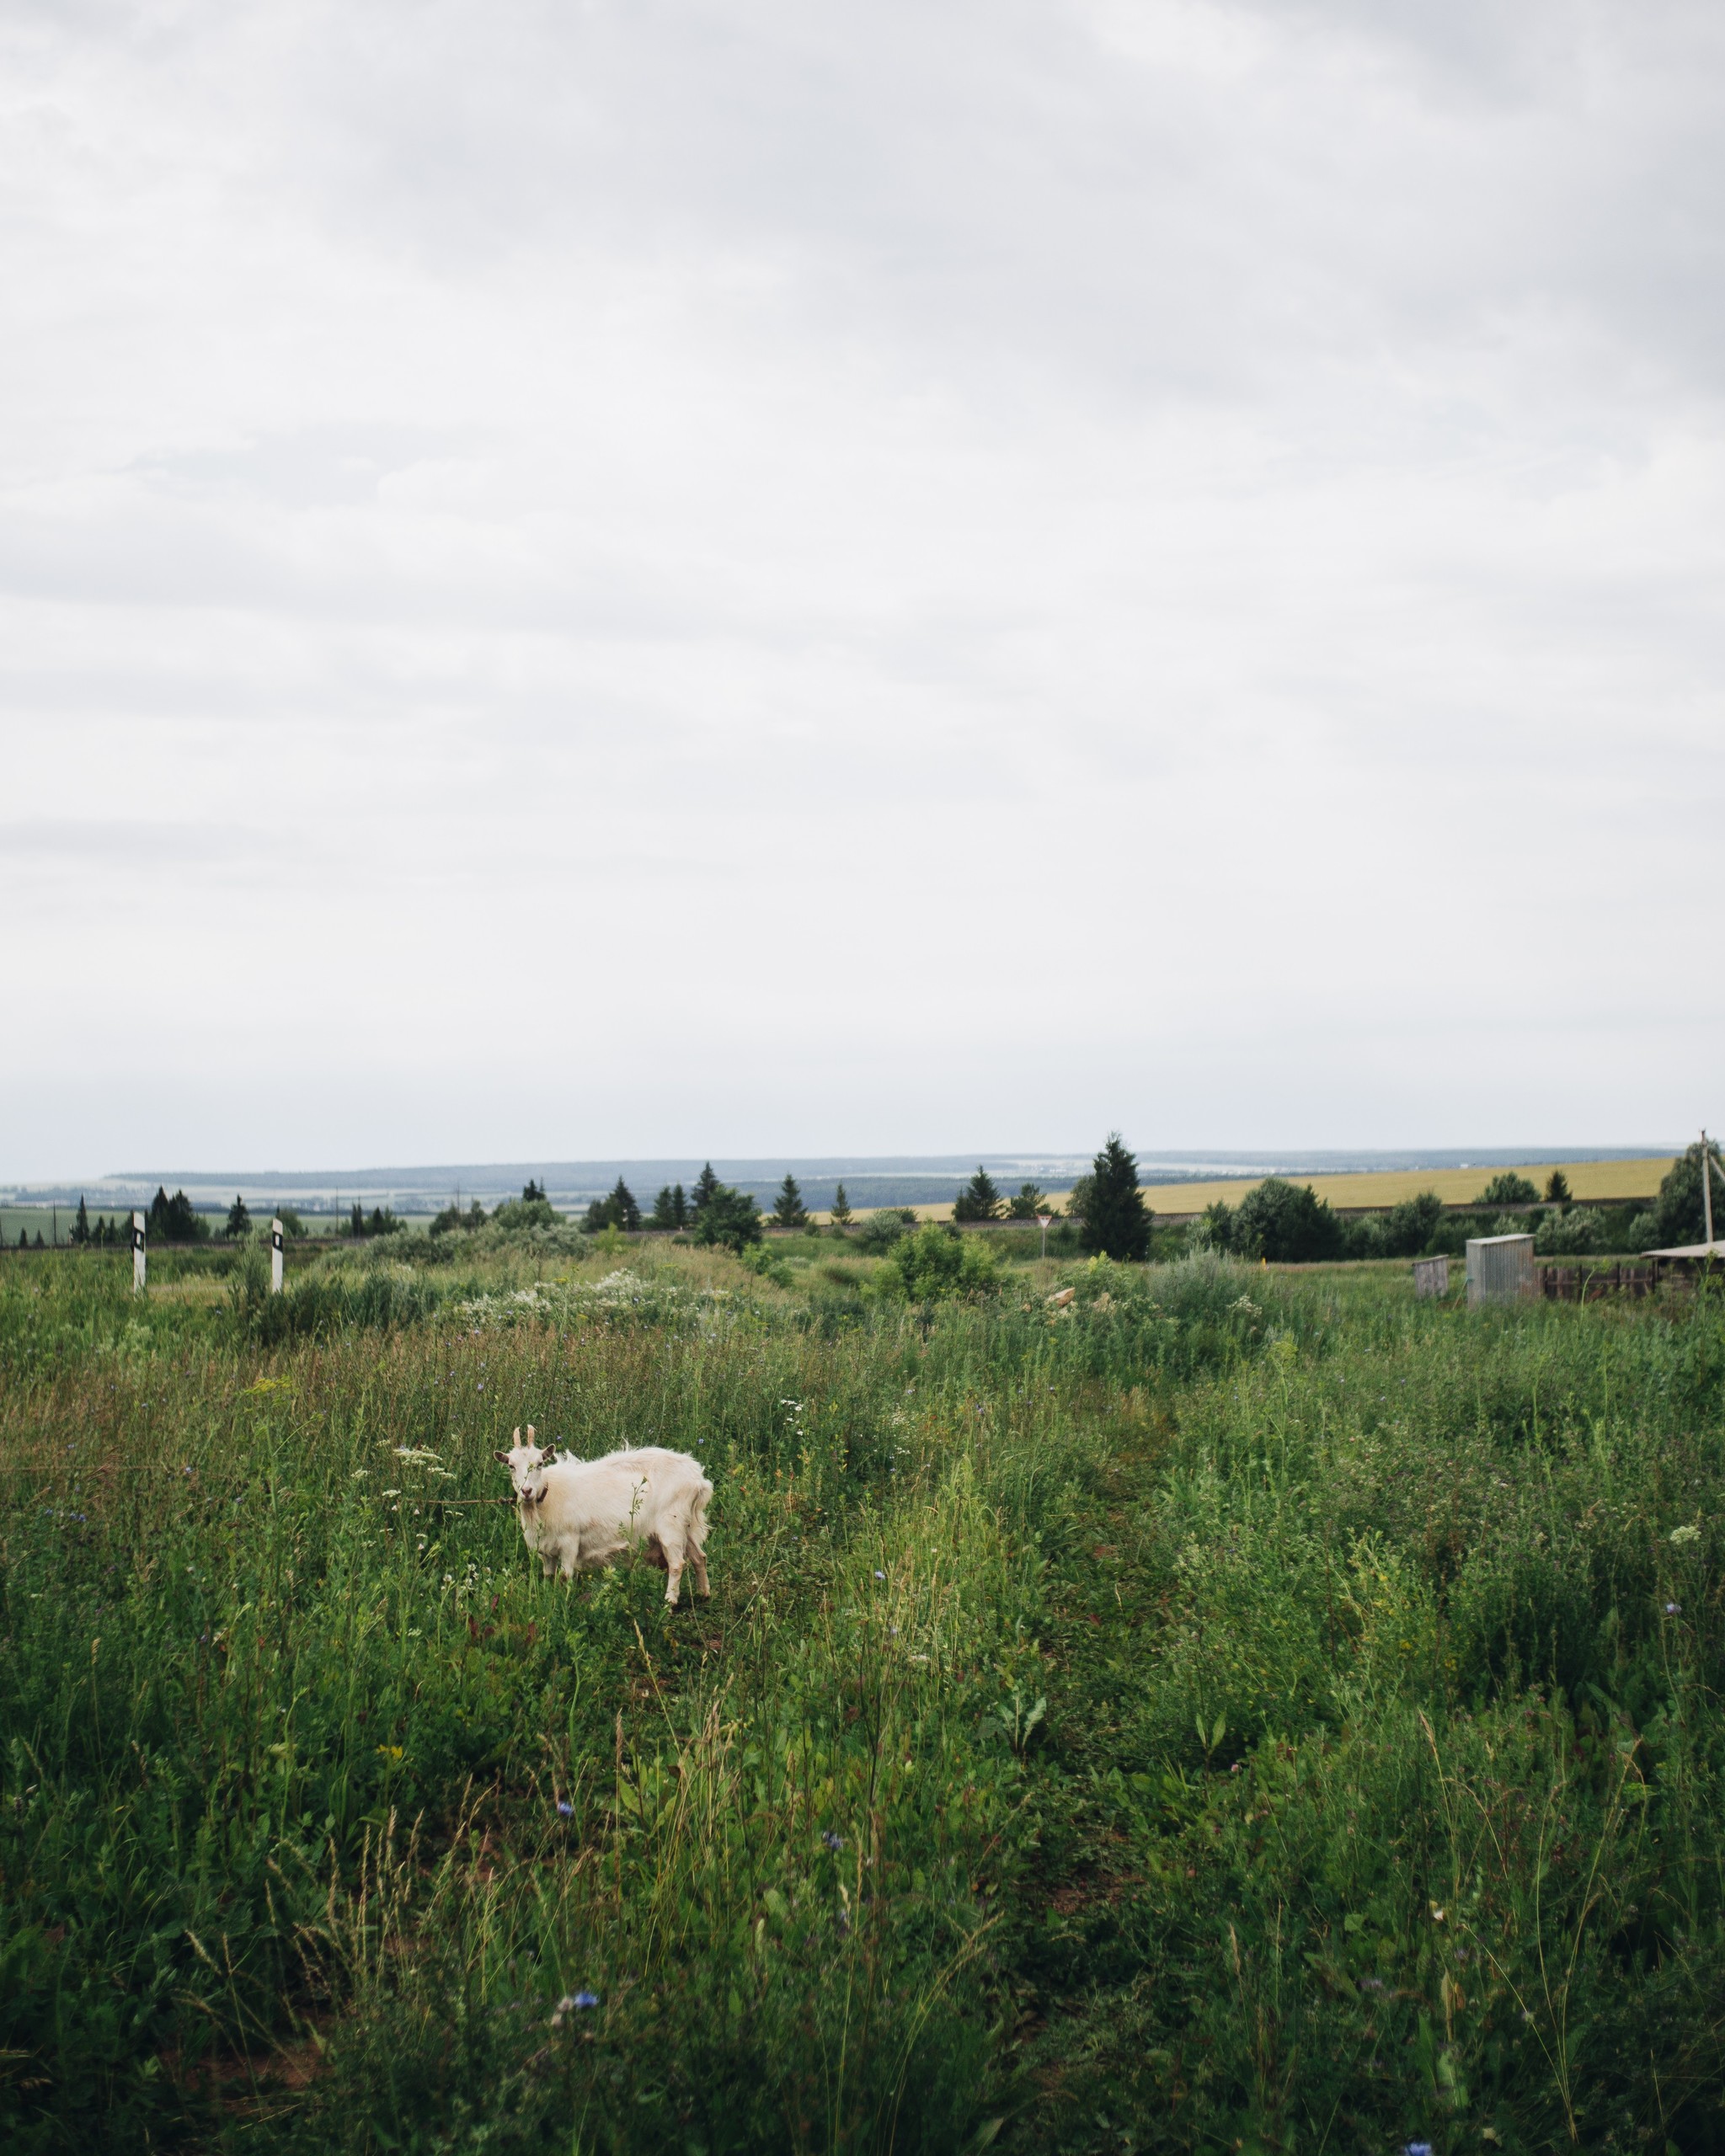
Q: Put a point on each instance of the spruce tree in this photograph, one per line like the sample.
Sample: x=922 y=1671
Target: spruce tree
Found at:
x=621 y=1205
x=706 y=1184
x=679 y=1207
x=979 y=1200
x=789 y=1210
x=1115 y=1224
x=81 y=1226
x=239 y=1218
x=661 y=1216
x=840 y=1209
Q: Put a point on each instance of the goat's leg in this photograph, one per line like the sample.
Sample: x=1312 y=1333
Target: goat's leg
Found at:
x=697 y=1565
x=672 y=1545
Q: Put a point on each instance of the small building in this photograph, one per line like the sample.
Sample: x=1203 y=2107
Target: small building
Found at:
x=1431 y=1277
x=1500 y=1269
x=1683 y=1258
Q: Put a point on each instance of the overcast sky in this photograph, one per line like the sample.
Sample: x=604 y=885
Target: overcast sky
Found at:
x=645 y=576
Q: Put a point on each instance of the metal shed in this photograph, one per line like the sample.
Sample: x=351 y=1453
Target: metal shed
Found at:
x=1500 y=1269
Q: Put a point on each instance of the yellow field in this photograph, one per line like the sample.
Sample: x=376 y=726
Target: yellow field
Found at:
x=1590 y=1180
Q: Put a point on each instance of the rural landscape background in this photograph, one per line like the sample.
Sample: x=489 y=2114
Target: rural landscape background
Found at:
x=1162 y=1698
x=955 y=732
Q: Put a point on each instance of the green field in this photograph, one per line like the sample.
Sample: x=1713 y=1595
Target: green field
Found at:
x=1239 y=1711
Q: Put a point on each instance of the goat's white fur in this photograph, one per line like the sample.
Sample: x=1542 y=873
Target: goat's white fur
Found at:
x=576 y=1514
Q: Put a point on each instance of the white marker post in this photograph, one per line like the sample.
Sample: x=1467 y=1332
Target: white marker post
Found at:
x=1044 y=1220
x=276 y=1257
x=137 y=1253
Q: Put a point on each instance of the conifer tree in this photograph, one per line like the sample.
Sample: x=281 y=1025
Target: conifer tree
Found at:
x=239 y=1218
x=624 y=1212
x=81 y=1226
x=789 y=1210
x=979 y=1200
x=679 y=1207
x=840 y=1209
x=706 y=1184
x=1115 y=1223
x=660 y=1217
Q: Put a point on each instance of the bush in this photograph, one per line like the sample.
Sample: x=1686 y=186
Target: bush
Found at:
x=1509 y=1188
x=1409 y=1227
x=882 y=1230
x=935 y=1264
x=1578 y=1233
x=1287 y=1222
x=452 y=1218
x=518 y=1213
x=728 y=1216
x=1029 y=1203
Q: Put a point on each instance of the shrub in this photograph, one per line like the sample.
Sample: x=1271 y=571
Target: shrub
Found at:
x=1287 y=1222
x=935 y=1264
x=1409 y=1227
x=1213 y=1229
x=1578 y=1233
x=728 y=1216
x=1507 y=1188
x=1116 y=1221
x=518 y=1213
x=452 y=1218
x=882 y=1230
x=1029 y=1203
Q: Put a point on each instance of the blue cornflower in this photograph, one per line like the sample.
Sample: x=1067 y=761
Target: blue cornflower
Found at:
x=585 y=1999
x=1416 y=2148
x=880 y=1576
x=565 y=1809
x=834 y=1842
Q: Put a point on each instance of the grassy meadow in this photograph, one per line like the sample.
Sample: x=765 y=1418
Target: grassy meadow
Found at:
x=1234 y=1711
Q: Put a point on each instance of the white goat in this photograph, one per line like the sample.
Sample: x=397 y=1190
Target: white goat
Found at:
x=581 y=1513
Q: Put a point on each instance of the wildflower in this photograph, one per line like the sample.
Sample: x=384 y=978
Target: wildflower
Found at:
x=565 y=1809
x=1673 y=1609
x=1416 y=2148
x=834 y=1842
x=573 y=2001
x=880 y=1576
x=1682 y=1534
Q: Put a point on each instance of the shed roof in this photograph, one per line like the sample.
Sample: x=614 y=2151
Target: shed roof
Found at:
x=1688 y=1249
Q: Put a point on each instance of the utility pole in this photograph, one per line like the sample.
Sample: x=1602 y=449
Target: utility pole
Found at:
x=1707 y=1188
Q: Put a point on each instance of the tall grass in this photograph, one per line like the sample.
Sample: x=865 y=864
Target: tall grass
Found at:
x=1228 y=1708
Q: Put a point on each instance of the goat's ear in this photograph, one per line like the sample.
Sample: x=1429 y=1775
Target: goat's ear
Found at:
x=501 y=1458
x=530 y=1434
x=550 y=1458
